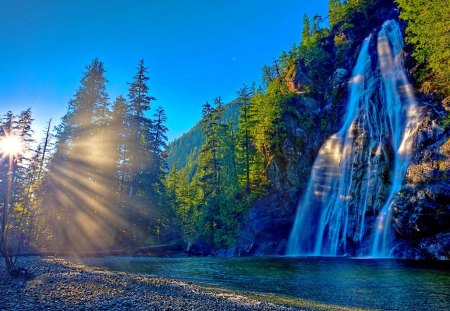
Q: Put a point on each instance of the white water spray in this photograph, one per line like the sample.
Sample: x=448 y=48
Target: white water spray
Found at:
x=371 y=151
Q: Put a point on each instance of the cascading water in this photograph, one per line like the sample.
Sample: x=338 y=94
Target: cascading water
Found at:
x=348 y=201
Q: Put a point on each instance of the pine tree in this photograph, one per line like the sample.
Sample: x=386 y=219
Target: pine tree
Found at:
x=140 y=158
x=334 y=12
x=158 y=146
x=172 y=183
x=158 y=139
x=80 y=136
x=306 y=32
x=208 y=174
x=209 y=162
x=37 y=231
x=244 y=140
x=120 y=122
x=429 y=32
x=79 y=184
x=14 y=182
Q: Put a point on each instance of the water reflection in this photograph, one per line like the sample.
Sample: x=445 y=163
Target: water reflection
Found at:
x=365 y=283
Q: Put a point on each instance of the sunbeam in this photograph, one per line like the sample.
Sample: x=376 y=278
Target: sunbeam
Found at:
x=11 y=145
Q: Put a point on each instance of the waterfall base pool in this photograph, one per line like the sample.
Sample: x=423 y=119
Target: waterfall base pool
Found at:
x=386 y=284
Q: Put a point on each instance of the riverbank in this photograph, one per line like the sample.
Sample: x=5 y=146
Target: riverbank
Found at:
x=59 y=284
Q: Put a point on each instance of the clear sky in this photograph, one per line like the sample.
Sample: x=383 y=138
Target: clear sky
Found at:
x=194 y=50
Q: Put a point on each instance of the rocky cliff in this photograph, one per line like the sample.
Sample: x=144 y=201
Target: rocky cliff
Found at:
x=270 y=220
x=421 y=207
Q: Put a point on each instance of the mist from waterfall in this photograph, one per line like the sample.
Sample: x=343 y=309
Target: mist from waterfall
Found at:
x=347 y=205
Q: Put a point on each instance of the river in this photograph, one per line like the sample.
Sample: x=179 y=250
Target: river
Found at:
x=379 y=284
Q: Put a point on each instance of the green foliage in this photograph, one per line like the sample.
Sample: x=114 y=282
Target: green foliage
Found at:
x=233 y=163
x=446 y=121
x=189 y=144
x=245 y=150
x=429 y=32
x=335 y=11
x=231 y=169
x=349 y=11
x=107 y=172
x=19 y=178
x=342 y=46
x=306 y=68
x=186 y=146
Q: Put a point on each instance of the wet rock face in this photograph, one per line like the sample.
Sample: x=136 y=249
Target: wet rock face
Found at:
x=340 y=76
x=304 y=135
x=422 y=207
x=435 y=247
x=270 y=221
x=268 y=226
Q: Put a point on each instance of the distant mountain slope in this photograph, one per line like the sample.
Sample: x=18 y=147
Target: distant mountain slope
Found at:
x=190 y=143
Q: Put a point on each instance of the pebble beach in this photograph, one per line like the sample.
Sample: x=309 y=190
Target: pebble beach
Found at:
x=58 y=284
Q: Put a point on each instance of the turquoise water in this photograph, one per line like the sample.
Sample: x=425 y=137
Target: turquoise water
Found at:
x=386 y=284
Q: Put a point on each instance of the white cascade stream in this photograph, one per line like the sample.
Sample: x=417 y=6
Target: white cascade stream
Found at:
x=347 y=206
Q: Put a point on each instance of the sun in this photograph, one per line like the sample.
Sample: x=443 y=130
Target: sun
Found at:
x=11 y=145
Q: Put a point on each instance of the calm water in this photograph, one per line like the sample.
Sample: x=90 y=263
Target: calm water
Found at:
x=376 y=284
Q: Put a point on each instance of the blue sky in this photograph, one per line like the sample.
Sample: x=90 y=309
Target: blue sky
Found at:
x=194 y=50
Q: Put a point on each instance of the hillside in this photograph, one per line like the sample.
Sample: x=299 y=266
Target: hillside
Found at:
x=189 y=144
x=243 y=197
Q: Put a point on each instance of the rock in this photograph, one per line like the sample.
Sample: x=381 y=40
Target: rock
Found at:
x=281 y=248
x=268 y=226
x=96 y=289
x=436 y=247
x=340 y=76
x=422 y=207
x=303 y=137
x=199 y=248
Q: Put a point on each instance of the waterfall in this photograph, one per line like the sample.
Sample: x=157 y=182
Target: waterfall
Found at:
x=347 y=205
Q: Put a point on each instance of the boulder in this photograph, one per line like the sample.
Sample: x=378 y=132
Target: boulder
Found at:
x=422 y=207
x=199 y=248
x=268 y=225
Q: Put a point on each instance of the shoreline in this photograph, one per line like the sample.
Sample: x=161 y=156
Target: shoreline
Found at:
x=58 y=284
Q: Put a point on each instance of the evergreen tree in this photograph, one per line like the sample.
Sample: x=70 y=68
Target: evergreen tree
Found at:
x=244 y=148
x=120 y=153
x=171 y=185
x=428 y=31
x=334 y=12
x=158 y=138
x=208 y=174
x=79 y=184
x=209 y=161
x=80 y=136
x=306 y=32
x=37 y=231
x=140 y=158
x=15 y=140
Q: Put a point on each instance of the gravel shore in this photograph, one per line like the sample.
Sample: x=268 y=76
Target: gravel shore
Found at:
x=57 y=284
